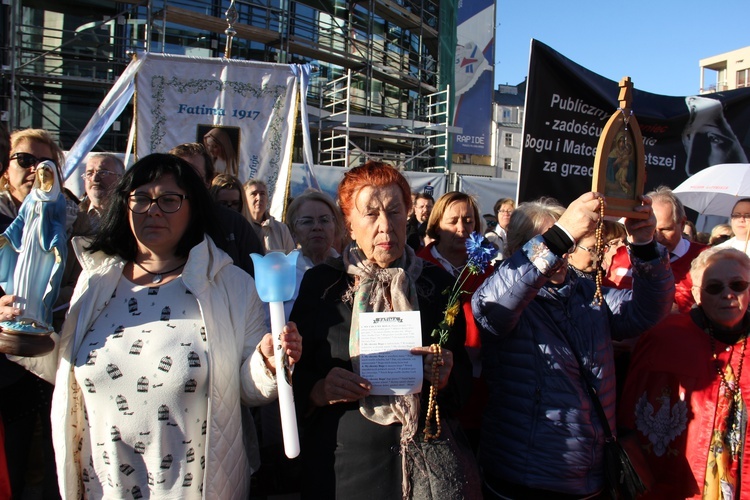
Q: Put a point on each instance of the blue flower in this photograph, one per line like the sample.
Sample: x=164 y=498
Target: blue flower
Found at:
x=480 y=251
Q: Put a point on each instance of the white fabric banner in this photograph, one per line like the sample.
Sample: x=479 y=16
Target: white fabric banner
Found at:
x=243 y=111
x=487 y=190
x=427 y=182
x=108 y=111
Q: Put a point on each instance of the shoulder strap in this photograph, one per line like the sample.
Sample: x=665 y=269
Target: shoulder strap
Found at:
x=592 y=394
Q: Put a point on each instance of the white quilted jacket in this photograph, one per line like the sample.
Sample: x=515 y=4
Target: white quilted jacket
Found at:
x=232 y=313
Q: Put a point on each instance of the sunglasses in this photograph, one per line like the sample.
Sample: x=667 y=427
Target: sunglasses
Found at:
x=716 y=288
x=28 y=160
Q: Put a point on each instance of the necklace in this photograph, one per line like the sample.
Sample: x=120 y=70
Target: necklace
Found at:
x=715 y=357
x=734 y=393
x=157 y=277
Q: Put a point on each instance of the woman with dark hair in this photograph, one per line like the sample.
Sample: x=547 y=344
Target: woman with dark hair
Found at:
x=499 y=236
x=155 y=357
x=354 y=444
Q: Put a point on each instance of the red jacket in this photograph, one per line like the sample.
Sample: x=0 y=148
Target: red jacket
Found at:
x=620 y=275
x=471 y=285
x=670 y=399
x=471 y=415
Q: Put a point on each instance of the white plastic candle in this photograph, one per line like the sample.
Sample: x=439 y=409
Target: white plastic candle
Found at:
x=283 y=380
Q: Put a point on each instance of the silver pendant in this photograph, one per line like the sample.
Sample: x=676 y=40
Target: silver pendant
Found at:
x=156 y=279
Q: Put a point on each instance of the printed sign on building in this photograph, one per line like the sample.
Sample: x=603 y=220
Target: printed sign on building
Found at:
x=474 y=76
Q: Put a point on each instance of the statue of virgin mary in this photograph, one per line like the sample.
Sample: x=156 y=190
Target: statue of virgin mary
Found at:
x=36 y=240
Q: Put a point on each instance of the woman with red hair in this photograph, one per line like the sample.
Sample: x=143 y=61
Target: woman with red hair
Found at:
x=354 y=444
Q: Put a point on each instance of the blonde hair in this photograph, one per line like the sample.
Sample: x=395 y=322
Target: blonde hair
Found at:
x=445 y=201
x=717 y=233
x=292 y=211
x=35 y=135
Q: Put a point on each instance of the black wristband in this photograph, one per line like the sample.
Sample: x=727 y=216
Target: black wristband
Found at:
x=647 y=251
x=557 y=241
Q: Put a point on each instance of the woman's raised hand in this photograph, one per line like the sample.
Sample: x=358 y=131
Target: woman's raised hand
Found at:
x=581 y=216
x=642 y=230
x=291 y=343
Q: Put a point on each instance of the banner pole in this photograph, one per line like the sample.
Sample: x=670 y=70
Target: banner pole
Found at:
x=231 y=17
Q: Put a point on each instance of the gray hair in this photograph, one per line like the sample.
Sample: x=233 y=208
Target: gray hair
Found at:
x=292 y=210
x=664 y=194
x=713 y=254
x=529 y=218
x=114 y=159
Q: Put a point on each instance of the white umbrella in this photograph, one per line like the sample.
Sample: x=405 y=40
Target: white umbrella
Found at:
x=715 y=190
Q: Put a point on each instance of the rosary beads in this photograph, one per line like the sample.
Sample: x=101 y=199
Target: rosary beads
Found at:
x=599 y=249
x=432 y=405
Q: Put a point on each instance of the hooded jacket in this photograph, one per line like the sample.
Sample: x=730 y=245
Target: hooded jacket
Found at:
x=230 y=308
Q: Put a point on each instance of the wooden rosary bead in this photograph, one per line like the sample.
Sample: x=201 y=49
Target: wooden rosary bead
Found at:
x=432 y=405
x=599 y=249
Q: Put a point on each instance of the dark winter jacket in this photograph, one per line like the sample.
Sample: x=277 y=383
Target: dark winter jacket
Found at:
x=539 y=428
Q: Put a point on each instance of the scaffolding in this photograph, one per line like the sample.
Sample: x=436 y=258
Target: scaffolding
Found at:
x=374 y=93
x=346 y=139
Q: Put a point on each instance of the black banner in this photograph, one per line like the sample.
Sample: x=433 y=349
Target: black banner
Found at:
x=566 y=109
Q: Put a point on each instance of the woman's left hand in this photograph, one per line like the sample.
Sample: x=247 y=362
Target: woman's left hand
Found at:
x=641 y=231
x=445 y=367
x=291 y=343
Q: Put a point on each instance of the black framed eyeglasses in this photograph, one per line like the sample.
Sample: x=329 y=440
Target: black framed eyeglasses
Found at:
x=28 y=160
x=741 y=216
x=716 y=288
x=167 y=203
x=235 y=205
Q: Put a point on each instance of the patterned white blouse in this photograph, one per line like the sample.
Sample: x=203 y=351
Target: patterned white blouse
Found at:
x=144 y=374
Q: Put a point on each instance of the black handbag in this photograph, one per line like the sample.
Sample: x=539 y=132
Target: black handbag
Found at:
x=621 y=478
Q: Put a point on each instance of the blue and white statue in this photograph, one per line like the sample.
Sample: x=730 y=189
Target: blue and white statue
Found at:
x=32 y=253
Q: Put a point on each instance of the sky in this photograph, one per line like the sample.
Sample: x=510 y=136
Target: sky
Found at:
x=658 y=43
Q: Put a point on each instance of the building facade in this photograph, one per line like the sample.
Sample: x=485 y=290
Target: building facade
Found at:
x=508 y=128
x=381 y=58
x=727 y=71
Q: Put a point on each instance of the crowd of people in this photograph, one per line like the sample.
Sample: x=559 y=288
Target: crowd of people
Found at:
x=162 y=379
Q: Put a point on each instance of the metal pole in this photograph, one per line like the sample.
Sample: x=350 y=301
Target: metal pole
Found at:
x=231 y=17
x=14 y=105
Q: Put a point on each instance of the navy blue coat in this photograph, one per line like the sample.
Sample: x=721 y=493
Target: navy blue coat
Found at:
x=540 y=428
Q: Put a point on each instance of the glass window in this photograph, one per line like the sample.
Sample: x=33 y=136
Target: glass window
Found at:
x=743 y=78
x=508 y=139
x=507 y=164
